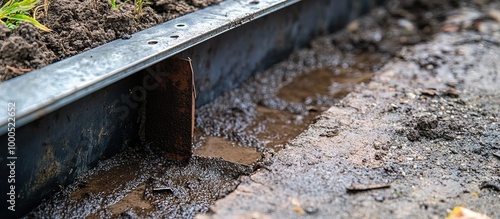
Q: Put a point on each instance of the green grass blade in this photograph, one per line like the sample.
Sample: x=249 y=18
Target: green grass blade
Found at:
x=27 y=3
x=7 y=4
x=17 y=7
x=22 y=17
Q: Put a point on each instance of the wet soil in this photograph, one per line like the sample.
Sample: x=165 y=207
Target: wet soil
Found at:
x=426 y=123
x=137 y=183
x=227 y=150
x=78 y=26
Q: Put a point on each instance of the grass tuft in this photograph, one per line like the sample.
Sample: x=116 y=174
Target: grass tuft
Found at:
x=13 y=12
x=138 y=5
x=114 y=5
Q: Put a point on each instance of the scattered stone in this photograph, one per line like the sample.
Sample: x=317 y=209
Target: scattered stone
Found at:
x=493 y=184
x=497 y=155
x=450 y=28
x=126 y=36
x=378 y=198
x=452 y=84
x=353 y=26
x=486 y=26
x=495 y=14
x=452 y=92
x=428 y=92
x=129 y=214
x=379 y=156
x=311 y=209
x=406 y=24
x=330 y=133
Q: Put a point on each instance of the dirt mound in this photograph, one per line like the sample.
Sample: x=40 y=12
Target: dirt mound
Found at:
x=78 y=26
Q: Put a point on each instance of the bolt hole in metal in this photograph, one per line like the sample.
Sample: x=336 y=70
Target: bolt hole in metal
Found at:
x=181 y=25
x=152 y=42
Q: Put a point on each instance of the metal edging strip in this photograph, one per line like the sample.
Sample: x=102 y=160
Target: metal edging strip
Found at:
x=47 y=89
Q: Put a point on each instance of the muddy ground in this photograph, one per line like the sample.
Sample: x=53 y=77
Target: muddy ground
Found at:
x=78 y=26
x=427 y=125
x=412 y=102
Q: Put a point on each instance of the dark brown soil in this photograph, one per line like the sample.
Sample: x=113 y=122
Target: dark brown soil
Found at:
x=79 y=26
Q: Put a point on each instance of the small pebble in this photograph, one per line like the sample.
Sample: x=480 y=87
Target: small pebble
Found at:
x=428 y=92
x=126 y=37
x=310 y=209
x=379 y=198
x=452 y=92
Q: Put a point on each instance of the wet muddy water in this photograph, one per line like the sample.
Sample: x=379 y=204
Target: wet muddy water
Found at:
x=227 y=150
x=292 y=108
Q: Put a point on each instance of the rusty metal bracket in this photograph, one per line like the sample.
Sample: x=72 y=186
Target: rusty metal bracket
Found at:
x=170 y=105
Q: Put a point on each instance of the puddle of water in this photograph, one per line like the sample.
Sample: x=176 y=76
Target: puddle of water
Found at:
x=333 y=83
x=294 y=107
x=307 y=85
x=216 y=147
x=106 y=182
x=281 y=126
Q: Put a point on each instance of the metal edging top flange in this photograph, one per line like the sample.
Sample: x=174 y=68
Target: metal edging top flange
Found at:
x=47 y=89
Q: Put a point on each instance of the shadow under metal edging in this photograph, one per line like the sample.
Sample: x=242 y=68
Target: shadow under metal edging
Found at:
x=92 y=110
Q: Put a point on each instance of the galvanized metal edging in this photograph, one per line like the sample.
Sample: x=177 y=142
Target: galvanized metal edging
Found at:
x=47 y=89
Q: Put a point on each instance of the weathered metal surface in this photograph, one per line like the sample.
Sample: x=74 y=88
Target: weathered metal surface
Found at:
x=53 y=150
x=170 y=108
x=80 y=75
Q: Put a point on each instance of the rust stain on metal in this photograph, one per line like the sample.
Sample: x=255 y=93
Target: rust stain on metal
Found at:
x=48 y=168
x=170 y=108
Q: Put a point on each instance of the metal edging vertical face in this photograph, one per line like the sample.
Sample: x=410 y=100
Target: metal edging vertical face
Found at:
x=52 y=87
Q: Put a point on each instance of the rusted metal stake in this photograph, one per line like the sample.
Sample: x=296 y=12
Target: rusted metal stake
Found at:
x=170 y=105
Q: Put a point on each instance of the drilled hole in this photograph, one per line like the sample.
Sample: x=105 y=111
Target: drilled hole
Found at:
x=180 y=25
x=152 y=42
x=174 y=36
